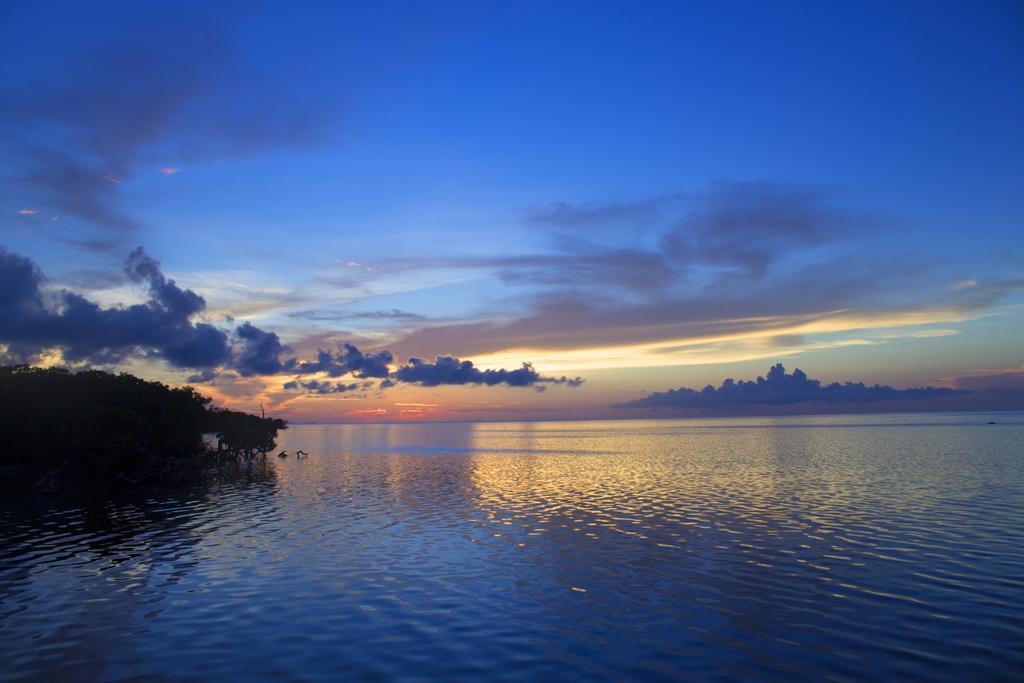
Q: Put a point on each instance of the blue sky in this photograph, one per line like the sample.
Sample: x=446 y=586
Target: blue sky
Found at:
x=622 y=191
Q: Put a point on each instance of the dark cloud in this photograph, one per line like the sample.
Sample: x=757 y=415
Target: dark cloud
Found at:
x=365 y=365
x=204 y=377
x=260 y=352
x=450 y=370
x=31 y=323
x=778 y=388
x=198 y=345
x=143 y=269
x=314 y=386
x=349 y=359
x=445 y=370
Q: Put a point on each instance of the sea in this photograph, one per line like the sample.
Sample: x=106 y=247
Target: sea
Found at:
x=843 y=548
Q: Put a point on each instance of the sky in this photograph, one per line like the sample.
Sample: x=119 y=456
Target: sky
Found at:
x=632 y=198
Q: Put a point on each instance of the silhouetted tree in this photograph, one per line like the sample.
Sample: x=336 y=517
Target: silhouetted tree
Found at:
x=101 y=429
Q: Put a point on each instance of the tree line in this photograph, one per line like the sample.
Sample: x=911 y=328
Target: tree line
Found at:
x=100 y=429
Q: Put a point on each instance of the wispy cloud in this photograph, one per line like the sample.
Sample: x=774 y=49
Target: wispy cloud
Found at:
x=573 y=332
x=752 y=226
x=745 y=227
x=78 y=136
x=596 y=214
x=742 y=271
x=998 y=379
x=337 y=316
x=580 y=264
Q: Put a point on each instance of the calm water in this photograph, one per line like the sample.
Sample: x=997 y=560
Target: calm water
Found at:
x=848 y=548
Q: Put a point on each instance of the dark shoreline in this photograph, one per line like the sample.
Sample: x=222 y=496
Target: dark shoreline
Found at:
x=94 y=434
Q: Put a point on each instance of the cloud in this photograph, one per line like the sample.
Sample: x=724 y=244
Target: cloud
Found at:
x=28 y=212
x=100 y=246
x=332 y=316
x=31 y=323
x=94 y=279
x=261 y=352
x=143 y=269
x=752 y=225
x=574 y=320
x=76 y=187
x=317 y=387
x=445 y=370
x=393 y=314
x=349 y=359
x=595 y=214
x=822 y=302
x=778 y=388
x=587 y=264
x=120 y=93
x=744 y=227
x=1010 y=379
x=450 y=370
x=204 y=377
x=580 y=263
x=732 y=233
x=735 y=226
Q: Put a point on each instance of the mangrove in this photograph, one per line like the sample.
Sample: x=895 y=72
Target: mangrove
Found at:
x=98 y=430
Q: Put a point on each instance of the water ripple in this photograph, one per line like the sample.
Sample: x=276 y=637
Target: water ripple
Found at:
x=813 y=548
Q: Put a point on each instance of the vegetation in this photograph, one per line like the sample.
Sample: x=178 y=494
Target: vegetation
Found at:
x=99 y=430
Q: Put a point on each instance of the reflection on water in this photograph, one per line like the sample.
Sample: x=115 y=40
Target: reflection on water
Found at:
x=859 y=547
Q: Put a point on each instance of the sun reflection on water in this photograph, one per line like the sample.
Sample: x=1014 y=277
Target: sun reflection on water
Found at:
x=770 y=549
